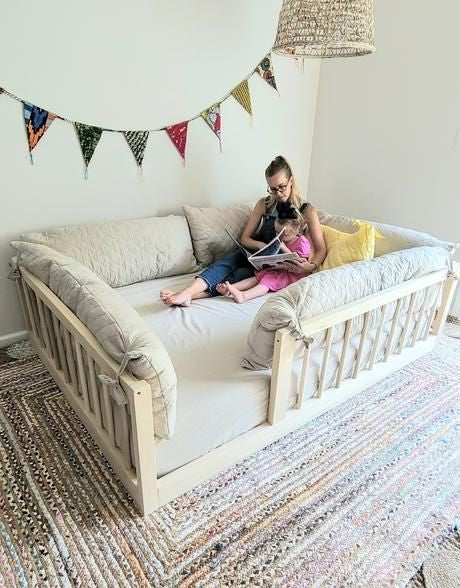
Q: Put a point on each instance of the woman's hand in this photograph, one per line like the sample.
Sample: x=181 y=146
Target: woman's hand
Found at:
x=300 y=267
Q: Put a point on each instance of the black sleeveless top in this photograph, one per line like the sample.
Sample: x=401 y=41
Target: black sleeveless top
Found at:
x=267 y=230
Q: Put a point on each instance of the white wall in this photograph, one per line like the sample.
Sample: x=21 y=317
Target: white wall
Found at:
x=140 y=65
x=387 y=133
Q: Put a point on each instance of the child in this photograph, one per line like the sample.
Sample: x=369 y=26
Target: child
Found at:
x=272 y=280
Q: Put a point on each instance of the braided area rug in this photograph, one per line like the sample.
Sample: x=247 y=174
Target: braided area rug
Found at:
x=357 y=497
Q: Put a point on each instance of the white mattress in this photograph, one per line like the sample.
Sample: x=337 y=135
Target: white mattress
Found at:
x=217 y=399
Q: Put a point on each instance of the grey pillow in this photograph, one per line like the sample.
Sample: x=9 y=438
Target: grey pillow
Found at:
x=207 y=227
x=125 y=252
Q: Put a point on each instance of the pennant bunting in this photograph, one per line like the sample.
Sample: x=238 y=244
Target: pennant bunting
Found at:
x=137 y=141
x=38 y=121
x=213 y=118
x=178 y=135
x=241 y=94
x=1 y=90
x=89 y=138
x=265 y=70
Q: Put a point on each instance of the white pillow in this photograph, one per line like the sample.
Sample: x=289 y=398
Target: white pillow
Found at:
x=125 y=252
x=394 y=238
x=207 y=227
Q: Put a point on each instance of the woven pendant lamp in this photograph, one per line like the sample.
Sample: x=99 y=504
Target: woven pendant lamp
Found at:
x=325 y=28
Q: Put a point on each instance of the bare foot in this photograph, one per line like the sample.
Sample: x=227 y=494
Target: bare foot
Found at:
x=222 y=289
x=234 y=293
x=179 y=299
x=165 y=294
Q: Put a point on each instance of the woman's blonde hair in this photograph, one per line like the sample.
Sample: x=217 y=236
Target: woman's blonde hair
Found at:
x=277 y=165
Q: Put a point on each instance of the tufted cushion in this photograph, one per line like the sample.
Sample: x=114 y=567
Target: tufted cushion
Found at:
x=125 y=252
x=207 y=227
x=114 y=323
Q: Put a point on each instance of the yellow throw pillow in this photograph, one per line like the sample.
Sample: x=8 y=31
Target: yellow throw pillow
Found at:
x=345 y=247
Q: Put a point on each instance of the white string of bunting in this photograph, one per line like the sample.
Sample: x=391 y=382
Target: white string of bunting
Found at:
x=38 y=120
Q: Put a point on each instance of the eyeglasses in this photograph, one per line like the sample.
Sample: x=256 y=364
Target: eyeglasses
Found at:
x=281 y=188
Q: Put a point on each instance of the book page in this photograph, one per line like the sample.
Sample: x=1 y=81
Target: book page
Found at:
x=276 y=262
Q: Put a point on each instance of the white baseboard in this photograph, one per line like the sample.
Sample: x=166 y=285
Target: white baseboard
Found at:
x=11 y=338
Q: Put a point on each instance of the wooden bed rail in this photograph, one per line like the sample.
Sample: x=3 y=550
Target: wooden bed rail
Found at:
x=75 y=359
x=418 y=324
x=125 y=432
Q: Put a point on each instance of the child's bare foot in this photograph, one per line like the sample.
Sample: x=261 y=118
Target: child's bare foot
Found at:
x=165 y=294
x=222 y=289
x=234 y=293
x=178 y=299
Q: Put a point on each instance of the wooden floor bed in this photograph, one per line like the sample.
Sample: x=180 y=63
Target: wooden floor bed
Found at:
x=75 y=358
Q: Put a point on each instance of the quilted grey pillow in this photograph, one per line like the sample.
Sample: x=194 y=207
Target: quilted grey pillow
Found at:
x=207 y=227
x=126 y=252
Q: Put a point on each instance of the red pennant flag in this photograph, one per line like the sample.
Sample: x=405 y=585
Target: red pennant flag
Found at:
x=178 y=135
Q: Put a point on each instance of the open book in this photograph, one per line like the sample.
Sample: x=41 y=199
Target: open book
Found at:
x=268 y=257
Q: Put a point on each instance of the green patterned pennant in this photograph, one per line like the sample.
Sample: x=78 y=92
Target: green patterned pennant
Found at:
x=89 y=138
x=137 y=140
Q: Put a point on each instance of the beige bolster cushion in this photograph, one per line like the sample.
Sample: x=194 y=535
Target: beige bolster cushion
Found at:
x=330 y=289
x=115 y=324
x=126 y=252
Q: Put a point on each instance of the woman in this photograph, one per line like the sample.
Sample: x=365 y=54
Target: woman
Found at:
x=233 y=267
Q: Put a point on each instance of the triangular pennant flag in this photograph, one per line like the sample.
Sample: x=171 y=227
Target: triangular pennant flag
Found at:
x=241 y=93
x=37 y=120
x=1 y=90
x=137 y=140
x=265 y=70
x=213 y=118
x=89 y=138
x=178 y=135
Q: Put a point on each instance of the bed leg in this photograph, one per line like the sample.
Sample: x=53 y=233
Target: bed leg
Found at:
x=448 y=290
x=280 y=385
x=144 y=449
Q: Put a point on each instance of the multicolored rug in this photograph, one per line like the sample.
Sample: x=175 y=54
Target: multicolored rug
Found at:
x=358 y=497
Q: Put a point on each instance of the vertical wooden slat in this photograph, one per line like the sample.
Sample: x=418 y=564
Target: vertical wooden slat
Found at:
x=394 y=324
x=124 y=435
x=82 y=374
x=410 y=311
x=108 y=413
x=448 y=290
x=421 y=314
x=70 y=360
x=362 y=342
x=20 y=285
x=39 y=333
x=324 y=363
x=303 y=376
x=378 y=334
x=44 y=329
x=94 y=391
x=346 y=341
x=283 y=357
x=30 y=310
x=431 y=312
x=52 y=337
x=60 y=346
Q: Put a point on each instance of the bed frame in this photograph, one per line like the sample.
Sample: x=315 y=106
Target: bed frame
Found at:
x=74 y=358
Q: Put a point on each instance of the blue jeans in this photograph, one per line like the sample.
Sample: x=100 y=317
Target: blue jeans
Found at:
x=232 y=268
